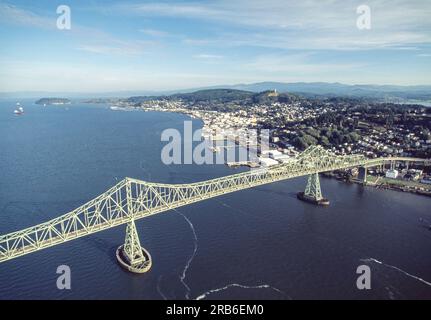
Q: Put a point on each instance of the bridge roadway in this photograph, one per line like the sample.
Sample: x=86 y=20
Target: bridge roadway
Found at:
x=133 y=199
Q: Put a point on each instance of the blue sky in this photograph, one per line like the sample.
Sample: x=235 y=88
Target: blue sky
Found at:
x=164 y=45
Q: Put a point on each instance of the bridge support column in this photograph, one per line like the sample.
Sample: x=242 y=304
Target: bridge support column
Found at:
x=363 y=175
x=131 y=255
x=313 y=192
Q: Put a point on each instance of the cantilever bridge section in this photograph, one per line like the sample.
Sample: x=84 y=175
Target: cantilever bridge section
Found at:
x=133 y=199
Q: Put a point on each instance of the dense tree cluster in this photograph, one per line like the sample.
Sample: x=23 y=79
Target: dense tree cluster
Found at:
x=326 y=136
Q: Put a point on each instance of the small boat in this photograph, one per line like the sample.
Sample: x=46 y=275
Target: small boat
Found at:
x=19 y=110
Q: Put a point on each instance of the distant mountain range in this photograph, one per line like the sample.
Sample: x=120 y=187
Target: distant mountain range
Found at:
x=311 y=89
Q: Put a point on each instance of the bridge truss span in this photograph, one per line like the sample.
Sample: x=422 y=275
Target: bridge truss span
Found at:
x=133 y=199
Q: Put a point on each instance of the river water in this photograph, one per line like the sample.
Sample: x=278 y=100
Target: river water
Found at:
x=260 y=243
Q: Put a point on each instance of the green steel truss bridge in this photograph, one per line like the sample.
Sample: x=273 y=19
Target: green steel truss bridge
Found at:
x=133 y=199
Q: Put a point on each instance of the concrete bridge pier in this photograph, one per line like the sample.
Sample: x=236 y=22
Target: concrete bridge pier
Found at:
x=313 y=192
x=131 y=256
x=362 y=176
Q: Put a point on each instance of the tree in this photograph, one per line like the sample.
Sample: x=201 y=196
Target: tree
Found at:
x=336 y=137
x=304 y=141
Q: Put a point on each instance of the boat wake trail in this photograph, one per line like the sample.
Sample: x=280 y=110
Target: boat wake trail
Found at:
x=160 y=290
x=195 y=249
x=398 y=269
x=230 y=207
x=189 y=261
x=263 y=286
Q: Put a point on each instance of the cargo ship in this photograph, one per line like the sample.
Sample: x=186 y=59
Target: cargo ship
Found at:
x=19 y=110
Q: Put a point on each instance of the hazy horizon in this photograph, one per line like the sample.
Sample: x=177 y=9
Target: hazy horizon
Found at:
x=221 y=86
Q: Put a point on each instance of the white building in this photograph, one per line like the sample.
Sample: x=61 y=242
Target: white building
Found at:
x=426 y=180
x=267 y=162
x=274 y=153
x=281 y=157
x=392 y=174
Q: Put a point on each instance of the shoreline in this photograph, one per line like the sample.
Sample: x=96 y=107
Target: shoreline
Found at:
x=205 y=132
x=252 y=164
x=331 y=175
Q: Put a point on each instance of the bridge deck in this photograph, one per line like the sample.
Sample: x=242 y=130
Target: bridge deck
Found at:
x=135 y=199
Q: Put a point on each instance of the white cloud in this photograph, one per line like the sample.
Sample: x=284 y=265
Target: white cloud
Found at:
x=12 y=14
x=306 y=24
x=296 y=64
x=208 y=56
x=198 y=42
x=102 y=49
x=154 y=32
x=174 y=9
x=117 y=47
x=92 y=40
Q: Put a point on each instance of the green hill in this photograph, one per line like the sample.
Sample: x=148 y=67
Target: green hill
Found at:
x=214 y=95
x=49 y=101
x=229 y=97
